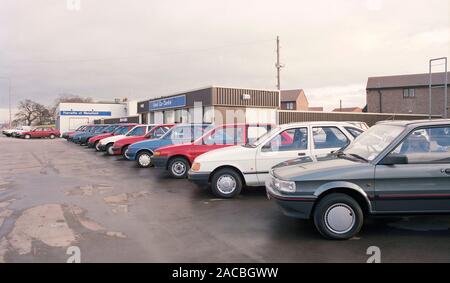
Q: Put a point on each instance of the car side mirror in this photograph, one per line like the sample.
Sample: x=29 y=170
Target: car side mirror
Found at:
x=393 y=159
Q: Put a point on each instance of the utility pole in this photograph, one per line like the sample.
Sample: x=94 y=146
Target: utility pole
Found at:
x=278 y=65
x=9 y=95
x=340 y=105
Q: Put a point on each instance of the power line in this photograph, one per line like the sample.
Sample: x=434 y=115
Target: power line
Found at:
x=141 y=55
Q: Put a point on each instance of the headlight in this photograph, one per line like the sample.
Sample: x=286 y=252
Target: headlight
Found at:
x=283 y=186
x=195 y=167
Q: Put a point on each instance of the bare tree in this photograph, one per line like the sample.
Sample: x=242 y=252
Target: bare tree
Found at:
x=33 y=113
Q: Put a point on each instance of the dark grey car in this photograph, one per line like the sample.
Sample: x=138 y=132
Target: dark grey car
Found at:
x=397 y=167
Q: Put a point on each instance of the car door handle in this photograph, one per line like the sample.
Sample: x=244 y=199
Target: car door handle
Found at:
x=301 y=154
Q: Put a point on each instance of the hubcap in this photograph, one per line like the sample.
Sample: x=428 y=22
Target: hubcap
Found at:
x=226 y=184
x=144 y=160
x=340 y=218
x=178 y=168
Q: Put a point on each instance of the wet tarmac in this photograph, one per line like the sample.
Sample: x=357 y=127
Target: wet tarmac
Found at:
x=55 y=195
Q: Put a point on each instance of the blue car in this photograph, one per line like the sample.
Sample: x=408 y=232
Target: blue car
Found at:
x=83 y=139
x=143 y=151
x=90 y=130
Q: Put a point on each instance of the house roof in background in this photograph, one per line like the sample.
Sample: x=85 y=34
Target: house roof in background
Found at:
x=399 y=81
x=291 y=95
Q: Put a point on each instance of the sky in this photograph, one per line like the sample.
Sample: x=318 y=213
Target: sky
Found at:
x=143 y=48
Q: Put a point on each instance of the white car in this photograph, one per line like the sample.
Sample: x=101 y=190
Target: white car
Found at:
x=229 y=169
x=107 y=143
x=16 y=131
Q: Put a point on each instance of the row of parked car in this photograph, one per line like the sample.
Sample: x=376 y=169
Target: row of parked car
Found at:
x=28 y=132
x=335 y=173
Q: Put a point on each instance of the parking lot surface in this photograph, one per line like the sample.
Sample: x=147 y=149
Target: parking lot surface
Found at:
x=55 y=195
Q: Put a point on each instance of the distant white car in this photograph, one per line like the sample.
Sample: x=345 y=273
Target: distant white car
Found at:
x=229 y=169
x=106 y=144
x=16 y=131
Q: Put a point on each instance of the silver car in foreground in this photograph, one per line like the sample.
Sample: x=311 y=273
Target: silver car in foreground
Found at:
x=396 y=167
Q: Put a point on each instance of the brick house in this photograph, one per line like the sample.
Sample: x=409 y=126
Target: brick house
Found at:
x=294 y=100
x=406 y=94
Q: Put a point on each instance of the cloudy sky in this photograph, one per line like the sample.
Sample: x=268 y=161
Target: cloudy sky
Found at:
x=144 y=48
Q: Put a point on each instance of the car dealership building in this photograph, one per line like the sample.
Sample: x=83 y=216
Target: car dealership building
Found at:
x=212 y=105
x=69 y=116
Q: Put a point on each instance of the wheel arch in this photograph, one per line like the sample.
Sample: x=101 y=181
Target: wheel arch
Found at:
x=347 y=188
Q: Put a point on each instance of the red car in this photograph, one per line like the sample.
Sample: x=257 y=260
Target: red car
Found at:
x=120 y=130
x=41 y=132
x=157 y=131
x=177 y=159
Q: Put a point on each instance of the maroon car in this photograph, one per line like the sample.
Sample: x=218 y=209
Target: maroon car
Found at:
x=41 y=132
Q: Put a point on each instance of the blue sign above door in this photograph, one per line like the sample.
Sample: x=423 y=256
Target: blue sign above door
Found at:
x=168 y=103
x=85 y=113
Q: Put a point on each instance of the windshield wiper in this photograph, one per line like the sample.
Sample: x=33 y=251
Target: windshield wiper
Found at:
x=359 y=157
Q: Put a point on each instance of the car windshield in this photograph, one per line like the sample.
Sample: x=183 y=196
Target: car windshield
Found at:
x=186 y=133
x=99 y=129
x=110 y=129
x=121 y=130
x=372 y=142
x=259 y=140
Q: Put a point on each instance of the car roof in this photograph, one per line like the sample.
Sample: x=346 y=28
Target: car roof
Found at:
x=315 y=123
x=416 y=123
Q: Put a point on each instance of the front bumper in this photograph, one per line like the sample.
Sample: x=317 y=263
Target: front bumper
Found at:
x=102 y=147
x=199 y=178
x=160 y=161
x=90 y=144
x=293 y=205
x=117 y=150
x=130 y=155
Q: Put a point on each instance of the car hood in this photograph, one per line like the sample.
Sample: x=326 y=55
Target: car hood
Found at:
x=111 y=139
x=131 y=139
x=178 y=147
x=231 y=153
x=331 y=168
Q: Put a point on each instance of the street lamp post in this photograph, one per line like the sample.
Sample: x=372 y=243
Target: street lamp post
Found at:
x=445 y=87
x=9 y=95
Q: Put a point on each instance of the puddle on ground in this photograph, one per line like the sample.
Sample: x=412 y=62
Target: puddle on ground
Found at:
x=47 y=224
x=422 y=223
x=90 y=190
x=119 y=203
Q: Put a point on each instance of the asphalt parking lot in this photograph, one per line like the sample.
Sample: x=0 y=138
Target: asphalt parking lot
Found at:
x=55 y=194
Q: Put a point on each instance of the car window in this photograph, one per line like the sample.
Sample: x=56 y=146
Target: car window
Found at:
x=427 y=145
x=291 y=139
x=329 y=137
x=354 y=132
x=138 y=131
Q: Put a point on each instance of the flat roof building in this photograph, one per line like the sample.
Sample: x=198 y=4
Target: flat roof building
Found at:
x=213 y=104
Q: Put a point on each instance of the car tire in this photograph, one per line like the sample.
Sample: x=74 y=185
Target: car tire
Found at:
x=108 y=149
x=178 y=167
x=97 y=145
x=27 y=137
x=144 y=159
x=52 y=136
x=124 y=149
x=226 y=183
x=338 y=216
